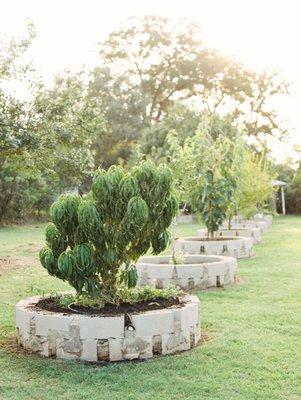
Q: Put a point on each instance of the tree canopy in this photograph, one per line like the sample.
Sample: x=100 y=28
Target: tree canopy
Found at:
x=154 y=76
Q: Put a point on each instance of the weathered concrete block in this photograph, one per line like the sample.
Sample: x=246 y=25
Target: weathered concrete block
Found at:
x=44 y=322
x=188 y=317
x=134 y=347
x=23 y=318
x=101 y=327
x=89 y=350
x=115 y=349
x=178 y=341
x=153 y=322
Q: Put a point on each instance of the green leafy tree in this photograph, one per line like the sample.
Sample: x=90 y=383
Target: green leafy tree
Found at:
x=255 y=185
x=64 y=114
x=119 y=220
x=19 y=180
x=166 y=61
x=187 y=163
x=293 y=196
x=151 y=73
x=169 y=63
x=218 y=186
x=154 y=141
x=124 y=112
x=204 y=174
x=236 y=174
x=45 y=142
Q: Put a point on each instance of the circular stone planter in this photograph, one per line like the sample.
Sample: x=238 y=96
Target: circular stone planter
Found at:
x=108 y=338
x=268 y=218
x=198 y=272
x=240 y=223
x=254 y=233
x=249 y=223
x=238 y=247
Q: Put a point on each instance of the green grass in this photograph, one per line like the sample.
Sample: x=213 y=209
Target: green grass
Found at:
x=253 y=350
x=21 y=240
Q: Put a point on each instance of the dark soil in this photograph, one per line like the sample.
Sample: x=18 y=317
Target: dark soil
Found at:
x=49 y=304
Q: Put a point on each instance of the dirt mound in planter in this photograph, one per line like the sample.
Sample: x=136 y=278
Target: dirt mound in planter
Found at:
x=49 y=304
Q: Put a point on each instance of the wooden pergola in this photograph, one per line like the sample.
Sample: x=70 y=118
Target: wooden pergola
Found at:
x=281 y=185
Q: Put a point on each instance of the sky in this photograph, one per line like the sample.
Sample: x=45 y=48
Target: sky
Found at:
x=263 y=34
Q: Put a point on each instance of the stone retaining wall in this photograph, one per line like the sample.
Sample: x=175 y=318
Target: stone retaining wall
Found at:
x=238 y=247
x=254 y=233
x=103 y=338
x=198 y=272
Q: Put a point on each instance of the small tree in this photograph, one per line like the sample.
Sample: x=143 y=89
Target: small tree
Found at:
x=119 y=220
x=215 y=195
x=203 y=170
x=187 y=165
x=219 y=185
x=255 y=185
x=236 y=175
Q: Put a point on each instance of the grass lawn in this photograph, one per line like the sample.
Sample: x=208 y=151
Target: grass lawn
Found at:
x=252 y=349
x=21 y=240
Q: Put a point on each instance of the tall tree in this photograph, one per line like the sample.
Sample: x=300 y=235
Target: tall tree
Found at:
x=123 y=111
x=167 y=61
x=45 y=142
x=159 y=63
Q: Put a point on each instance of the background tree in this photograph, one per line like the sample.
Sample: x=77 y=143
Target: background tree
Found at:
x=17 y=143
x=165 y=60
x=154 y=76
x=168 y=63
x=124 y=113
x=237 y=173
x=218 y=189
x=255 y=185
x=204 y=174
x=292 y=177
x=45 y=142
x=72 y=121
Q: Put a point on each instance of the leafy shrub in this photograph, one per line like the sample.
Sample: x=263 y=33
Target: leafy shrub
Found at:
x=124 y=215
x=119 y=296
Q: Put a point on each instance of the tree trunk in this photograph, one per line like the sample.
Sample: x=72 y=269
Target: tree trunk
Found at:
x=229 y=222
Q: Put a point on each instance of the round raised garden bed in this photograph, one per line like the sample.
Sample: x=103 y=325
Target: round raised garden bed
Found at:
x=238 y=247
x=264 y=217
x=107 y=337
x=254 y=233
x=248 y=223
x=198 y=271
